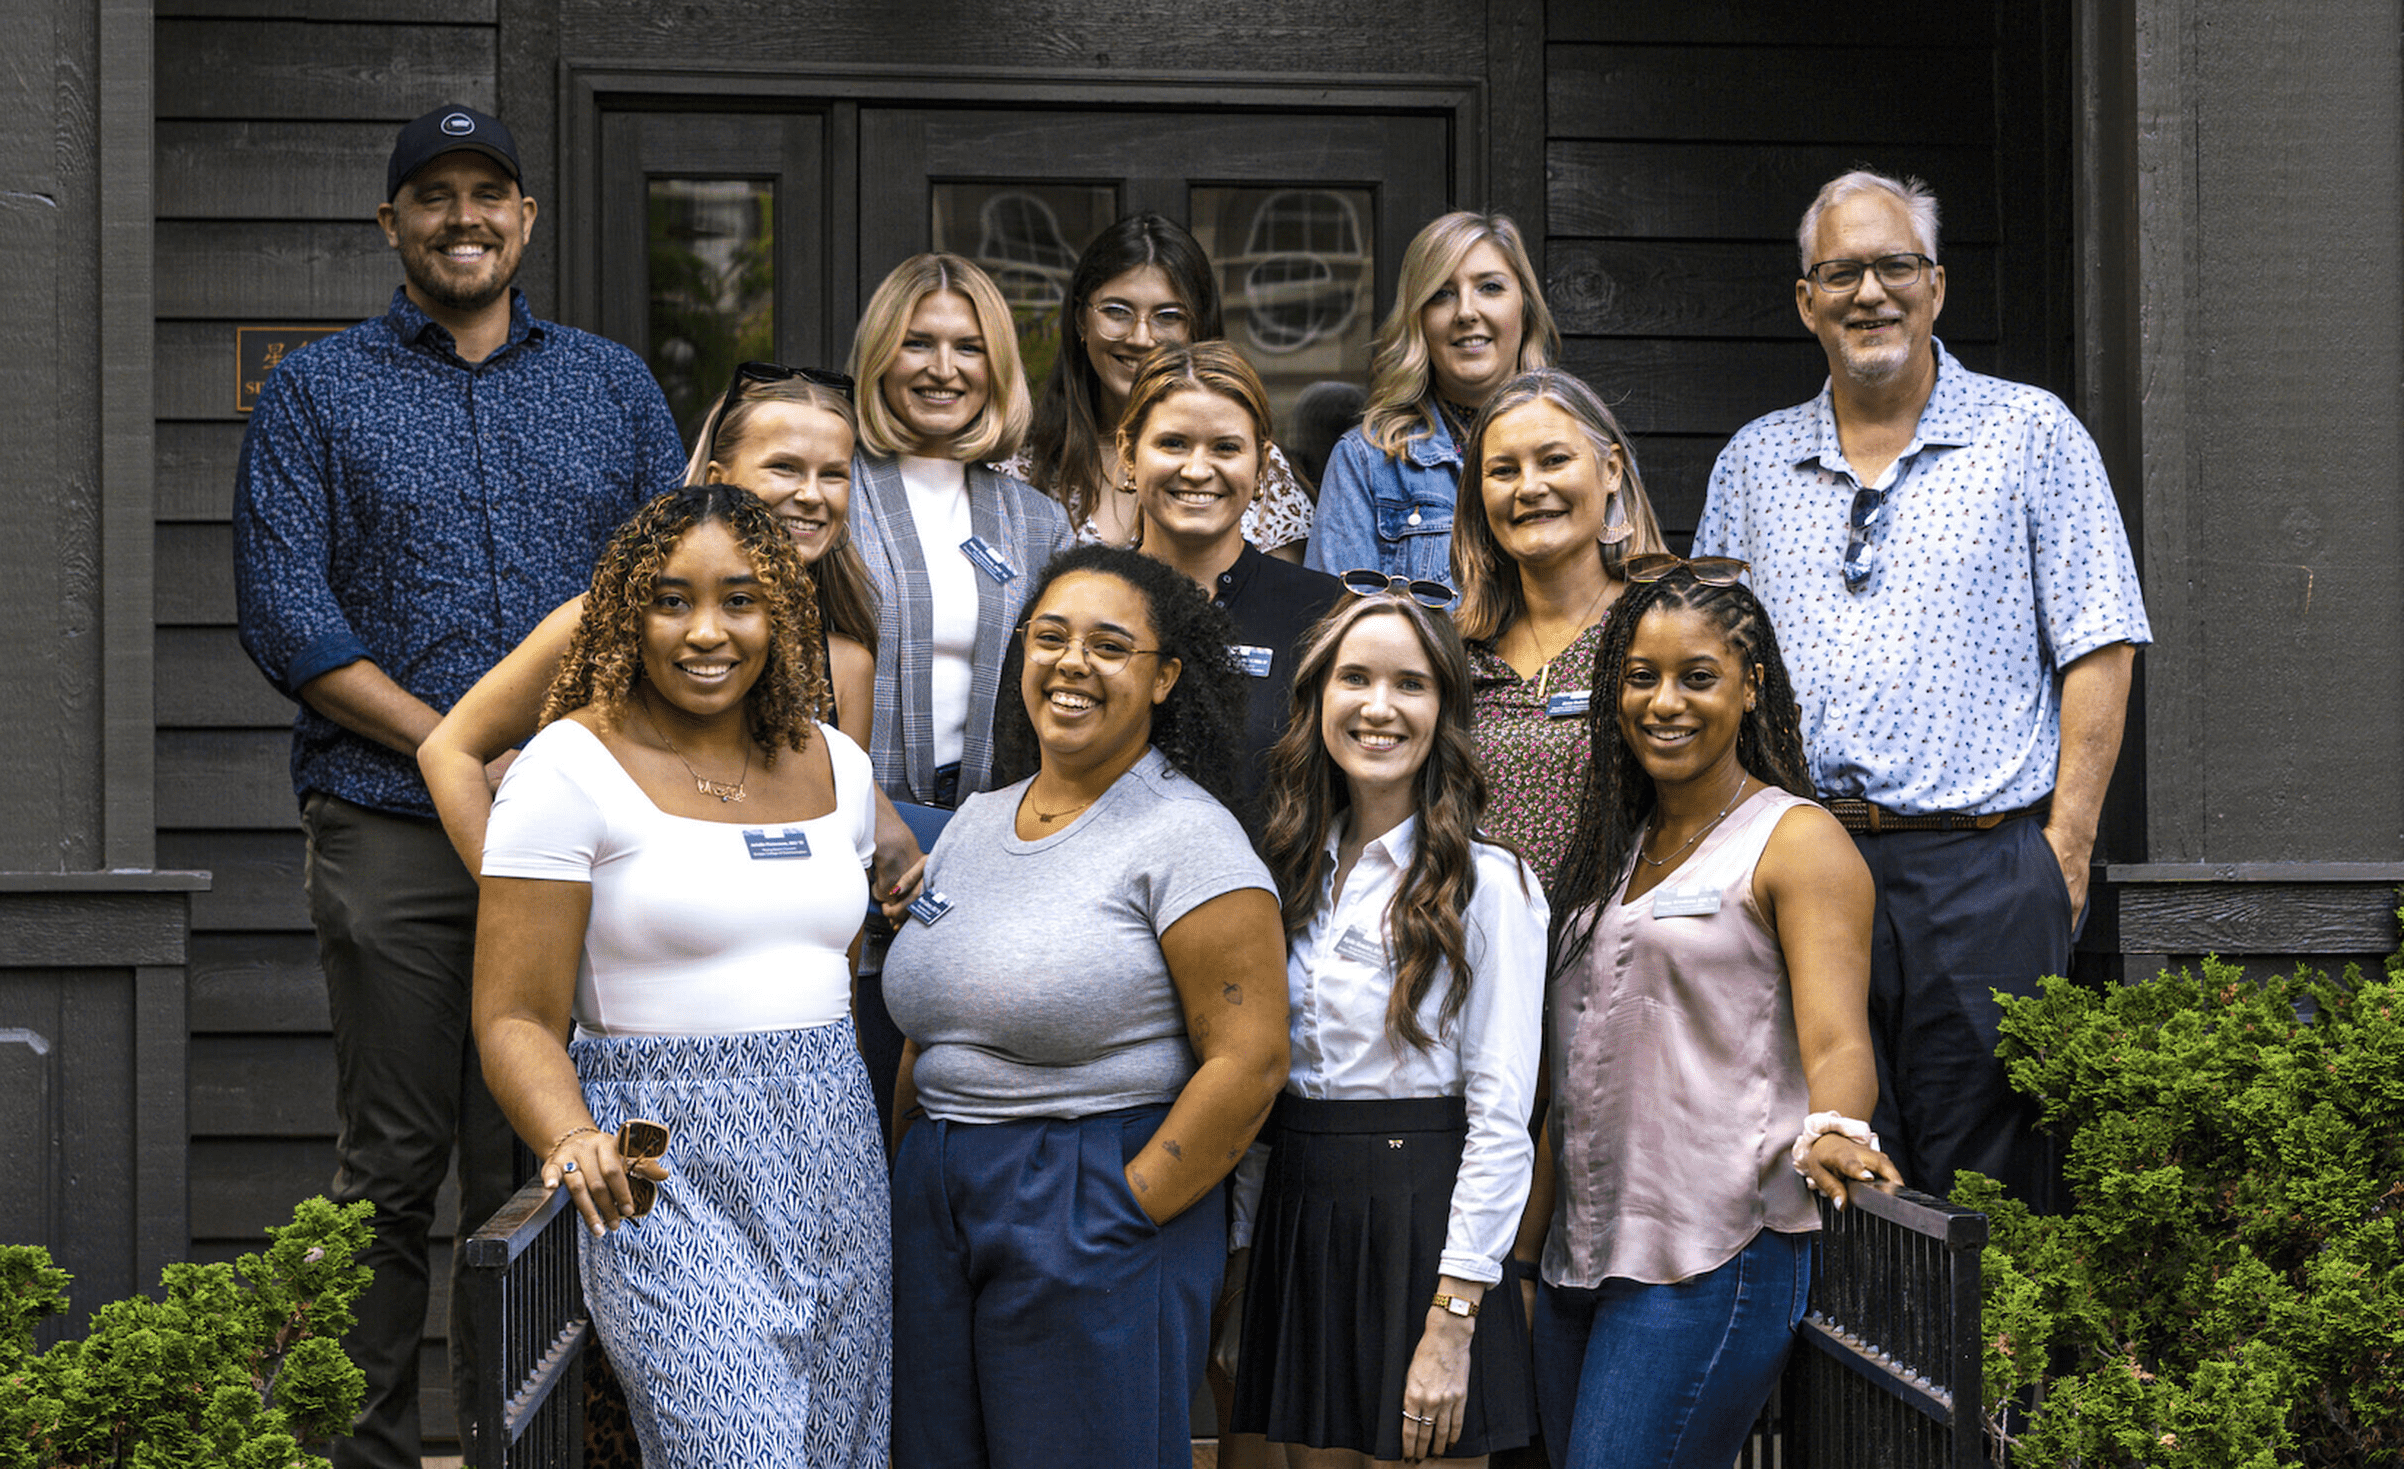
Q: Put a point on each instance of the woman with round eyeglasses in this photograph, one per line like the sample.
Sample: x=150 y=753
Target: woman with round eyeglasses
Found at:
x=1143 y=283
x=1093 y=984
x=1552 y=508
x=1468 y=314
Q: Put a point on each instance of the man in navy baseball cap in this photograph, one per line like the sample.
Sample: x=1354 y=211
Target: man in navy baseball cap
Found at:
x=447 y=130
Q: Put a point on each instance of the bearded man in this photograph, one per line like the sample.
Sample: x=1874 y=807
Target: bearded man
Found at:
x=413 y=495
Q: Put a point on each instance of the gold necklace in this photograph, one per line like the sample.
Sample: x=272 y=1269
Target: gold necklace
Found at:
x=1048 y=817
x=702 y=783
x=1544 y=673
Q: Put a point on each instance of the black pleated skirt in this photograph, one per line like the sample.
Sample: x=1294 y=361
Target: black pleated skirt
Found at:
x=1346 y=1246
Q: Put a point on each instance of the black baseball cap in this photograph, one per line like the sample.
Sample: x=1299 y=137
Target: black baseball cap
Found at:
x=447 y=130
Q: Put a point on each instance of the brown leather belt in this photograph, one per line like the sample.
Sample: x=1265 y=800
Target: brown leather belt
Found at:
x=1862 y=818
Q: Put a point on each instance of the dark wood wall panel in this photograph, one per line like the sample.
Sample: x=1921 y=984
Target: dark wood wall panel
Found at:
x=273 y=270
x=203 y=680
x=195 y=575
x=1683 y=143
x=257 y=982
x=436 y=11
x=1744 y=93
x=257 y=878
x=1414 y=37
x=272 y=170
x=225 y=778
x=262 y=1086
x=315 y=69
x=194 y=469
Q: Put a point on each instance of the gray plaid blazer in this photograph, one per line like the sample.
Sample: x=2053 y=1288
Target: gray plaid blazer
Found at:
x=1027 y=526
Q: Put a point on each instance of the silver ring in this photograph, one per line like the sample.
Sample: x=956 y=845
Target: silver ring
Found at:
x=568 y=1167
x=1415 y=1418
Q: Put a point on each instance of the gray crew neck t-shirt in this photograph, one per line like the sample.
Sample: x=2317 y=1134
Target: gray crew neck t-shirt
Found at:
x=1042 y=992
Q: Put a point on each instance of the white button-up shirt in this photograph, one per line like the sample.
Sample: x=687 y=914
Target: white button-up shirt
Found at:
x=1487 y=1056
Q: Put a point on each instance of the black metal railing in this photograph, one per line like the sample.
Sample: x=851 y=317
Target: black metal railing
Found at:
x=1886 y=1369
x=528 y=1301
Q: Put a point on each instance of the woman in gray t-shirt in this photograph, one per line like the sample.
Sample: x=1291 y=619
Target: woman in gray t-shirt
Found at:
x=1093 y=987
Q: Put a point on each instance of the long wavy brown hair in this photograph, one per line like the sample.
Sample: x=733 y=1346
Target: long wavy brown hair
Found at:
x=604 y=660
x=1426 y=924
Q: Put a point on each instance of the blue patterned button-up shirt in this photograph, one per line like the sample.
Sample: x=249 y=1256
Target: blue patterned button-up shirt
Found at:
x=396 y=503
x=2001 y=559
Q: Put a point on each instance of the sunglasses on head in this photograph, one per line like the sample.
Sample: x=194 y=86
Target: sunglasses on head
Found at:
x=777 y=372
x=1364 y=582
x=1717 y=571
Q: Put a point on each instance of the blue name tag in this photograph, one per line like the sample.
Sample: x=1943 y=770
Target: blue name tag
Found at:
x=773 y=844
x=1571 y=705
x=1254 y=661
x=1686 y=905
x=1358 y=945
x=929 y=907
x=987 y=559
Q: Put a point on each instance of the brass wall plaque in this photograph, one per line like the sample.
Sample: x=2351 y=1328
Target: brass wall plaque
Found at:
x=257 y=349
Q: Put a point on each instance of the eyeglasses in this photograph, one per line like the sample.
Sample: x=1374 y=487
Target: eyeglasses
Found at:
x=639 y=1142
x=1365 y=582
x=777 y=372
x=1104 y=652
x=1716 y=571
x=1895 y=272
x=1861 y=536
x=1115 y=321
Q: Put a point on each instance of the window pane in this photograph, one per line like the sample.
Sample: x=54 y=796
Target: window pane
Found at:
x=1297 y=282
x=713 y=286
x=1027 y=237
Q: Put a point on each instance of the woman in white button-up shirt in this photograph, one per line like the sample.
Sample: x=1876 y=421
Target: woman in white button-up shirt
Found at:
x=1383 y=1206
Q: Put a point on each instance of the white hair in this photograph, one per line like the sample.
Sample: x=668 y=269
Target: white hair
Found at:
x=1918 y=200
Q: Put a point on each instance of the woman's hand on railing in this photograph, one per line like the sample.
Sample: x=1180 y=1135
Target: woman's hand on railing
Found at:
x=1834 y=1161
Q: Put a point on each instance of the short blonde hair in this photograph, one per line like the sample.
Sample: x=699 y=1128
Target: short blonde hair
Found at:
x=1491 y=596
x=1398 y=378
x=998 y=429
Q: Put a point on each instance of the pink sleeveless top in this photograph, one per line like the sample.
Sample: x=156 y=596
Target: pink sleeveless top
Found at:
x=1677 y=1079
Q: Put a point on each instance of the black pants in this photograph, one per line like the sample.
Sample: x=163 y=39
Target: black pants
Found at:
x=1960 y=914
x=396 y=933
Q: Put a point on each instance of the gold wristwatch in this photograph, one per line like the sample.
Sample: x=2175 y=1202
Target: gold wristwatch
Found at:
x=1455 y=1305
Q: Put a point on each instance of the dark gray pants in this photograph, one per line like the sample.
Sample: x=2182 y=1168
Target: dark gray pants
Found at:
x=396 y=934
x=1961 y=914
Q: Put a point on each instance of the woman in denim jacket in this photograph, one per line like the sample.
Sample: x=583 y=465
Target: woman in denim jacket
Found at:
x=1468 y=315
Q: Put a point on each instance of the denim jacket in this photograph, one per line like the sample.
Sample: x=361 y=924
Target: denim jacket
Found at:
x=1391 y=514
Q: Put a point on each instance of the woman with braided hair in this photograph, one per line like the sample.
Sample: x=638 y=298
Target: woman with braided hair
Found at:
x=1708 y=1040
x=672 y=873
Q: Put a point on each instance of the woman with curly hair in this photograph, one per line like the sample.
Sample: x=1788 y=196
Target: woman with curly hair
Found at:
x=1092 y=987
x=1468 y=313
x=1381 y=1209
x=672 y=873
x=1143 y=283
x=1709 y=1035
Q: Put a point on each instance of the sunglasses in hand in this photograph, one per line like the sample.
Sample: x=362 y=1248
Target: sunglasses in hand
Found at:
x=640 y=1141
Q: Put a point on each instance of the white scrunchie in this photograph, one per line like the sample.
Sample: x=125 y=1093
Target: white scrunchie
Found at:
x=1820 y=1123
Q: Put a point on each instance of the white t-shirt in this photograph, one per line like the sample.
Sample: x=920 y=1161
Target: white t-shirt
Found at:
x=938 y=491
x=698 y=927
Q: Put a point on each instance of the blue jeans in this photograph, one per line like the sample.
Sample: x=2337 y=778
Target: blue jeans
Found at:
x=1667 y=1376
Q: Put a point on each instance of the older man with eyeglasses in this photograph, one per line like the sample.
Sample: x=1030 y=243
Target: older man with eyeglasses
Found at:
x=1950 y=578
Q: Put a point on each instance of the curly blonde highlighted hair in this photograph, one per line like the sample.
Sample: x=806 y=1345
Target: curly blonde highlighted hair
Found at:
x=604 y=660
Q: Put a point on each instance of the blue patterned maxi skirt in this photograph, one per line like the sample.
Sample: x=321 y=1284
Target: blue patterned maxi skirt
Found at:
x=751 y=1314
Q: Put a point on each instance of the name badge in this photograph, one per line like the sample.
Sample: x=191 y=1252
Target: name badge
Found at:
x=987 y=559
x=1686 y=905
x=773 y=845
x=1254 y=661
x=929 y=907
x=1358 y=945
x=1571 y=705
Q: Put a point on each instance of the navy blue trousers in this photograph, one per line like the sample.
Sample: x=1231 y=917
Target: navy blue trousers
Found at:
x=1040 y=1317
x=1961 y=914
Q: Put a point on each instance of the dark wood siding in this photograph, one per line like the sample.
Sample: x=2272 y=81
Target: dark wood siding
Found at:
x=274 y=121
x=1682 y=145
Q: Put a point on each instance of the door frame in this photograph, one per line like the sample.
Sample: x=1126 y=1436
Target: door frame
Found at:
x=587 y=89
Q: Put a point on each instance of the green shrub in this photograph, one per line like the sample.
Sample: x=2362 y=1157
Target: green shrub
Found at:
x=2228 y=1292
x=236 y=1367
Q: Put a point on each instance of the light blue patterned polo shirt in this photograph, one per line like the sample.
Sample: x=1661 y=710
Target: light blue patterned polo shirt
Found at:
x=1936 y=686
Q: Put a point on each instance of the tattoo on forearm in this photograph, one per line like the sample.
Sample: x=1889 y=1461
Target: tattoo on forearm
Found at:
x=1198 y=1026
x=1233 y=994
x=1170 y=1147
x=1142 y=1184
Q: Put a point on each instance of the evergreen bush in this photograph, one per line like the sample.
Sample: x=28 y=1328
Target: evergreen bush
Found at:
x=2228 y=1292
x=236 y=1367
